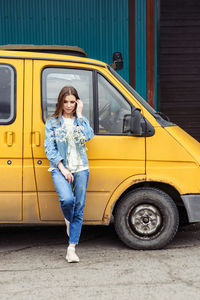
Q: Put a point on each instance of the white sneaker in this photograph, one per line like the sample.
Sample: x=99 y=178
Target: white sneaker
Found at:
x=71 y=255
x=67 y=226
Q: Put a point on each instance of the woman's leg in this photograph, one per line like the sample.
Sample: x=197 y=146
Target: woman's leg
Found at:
x=64 y=191
x=80 y=185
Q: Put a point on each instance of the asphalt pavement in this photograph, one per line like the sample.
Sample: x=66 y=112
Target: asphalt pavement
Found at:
x=33 y=266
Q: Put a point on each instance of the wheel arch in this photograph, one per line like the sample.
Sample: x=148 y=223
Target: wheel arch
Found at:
x=165 y=187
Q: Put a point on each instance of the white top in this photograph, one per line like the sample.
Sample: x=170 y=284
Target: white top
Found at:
x=75 y=163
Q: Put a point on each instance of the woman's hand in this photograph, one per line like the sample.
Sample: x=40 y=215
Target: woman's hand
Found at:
x=79 y=108
x=66 y=173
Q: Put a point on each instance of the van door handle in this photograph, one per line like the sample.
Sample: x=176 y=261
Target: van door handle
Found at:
x=36 y=138
x=9 y=138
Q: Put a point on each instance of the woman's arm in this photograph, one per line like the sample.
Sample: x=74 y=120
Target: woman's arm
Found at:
x=50 y=145
x=86 y=129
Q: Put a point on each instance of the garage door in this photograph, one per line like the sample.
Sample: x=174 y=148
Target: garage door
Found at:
x=180 y=63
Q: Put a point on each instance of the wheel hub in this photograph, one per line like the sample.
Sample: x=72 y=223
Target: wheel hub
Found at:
x=145 y=219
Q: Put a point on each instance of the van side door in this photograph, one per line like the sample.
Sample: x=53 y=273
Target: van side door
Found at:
x=48 y=79
x=11 y=137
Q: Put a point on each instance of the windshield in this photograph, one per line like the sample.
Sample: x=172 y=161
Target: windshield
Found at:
x=156 y=115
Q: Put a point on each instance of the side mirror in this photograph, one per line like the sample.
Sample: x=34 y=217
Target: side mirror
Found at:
x=117 y=61
x=134 y=123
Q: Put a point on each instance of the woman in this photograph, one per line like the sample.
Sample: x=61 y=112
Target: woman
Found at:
x=66 y=132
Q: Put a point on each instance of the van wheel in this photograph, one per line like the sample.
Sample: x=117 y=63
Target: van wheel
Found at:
x=146 y=218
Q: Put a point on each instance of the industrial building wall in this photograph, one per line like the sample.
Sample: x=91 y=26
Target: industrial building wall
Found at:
x=99 y=27
x=180 y=63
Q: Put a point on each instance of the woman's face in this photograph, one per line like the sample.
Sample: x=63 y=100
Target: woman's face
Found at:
x=69 y=105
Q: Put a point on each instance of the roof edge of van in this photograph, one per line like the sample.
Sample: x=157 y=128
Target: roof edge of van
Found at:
x=54 y=49
x=48 y=57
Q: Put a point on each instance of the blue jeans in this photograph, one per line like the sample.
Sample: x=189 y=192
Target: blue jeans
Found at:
x=72 y=200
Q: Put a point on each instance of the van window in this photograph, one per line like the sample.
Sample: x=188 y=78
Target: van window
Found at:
x=7 y=94
x=112 y=107
x=54 y=79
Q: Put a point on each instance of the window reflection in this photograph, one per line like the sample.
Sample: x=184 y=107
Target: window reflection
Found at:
x=113 y=108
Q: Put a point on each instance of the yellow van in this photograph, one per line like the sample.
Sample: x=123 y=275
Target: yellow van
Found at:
x=144 y=170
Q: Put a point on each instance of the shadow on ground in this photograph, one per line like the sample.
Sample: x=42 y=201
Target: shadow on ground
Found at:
x=17 y=237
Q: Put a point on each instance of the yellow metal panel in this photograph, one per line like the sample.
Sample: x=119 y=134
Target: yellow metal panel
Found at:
x=169 y=160
x=30 y=208
x=28 y=170
x=11 y=175
x=181 y=175
x=30 y=199
x=10 y=206
x=191 y=145
x=44 y=180
x=28 y=106
x=95 y=205
x=28 y=175
x=163 y=147
x=49 y=207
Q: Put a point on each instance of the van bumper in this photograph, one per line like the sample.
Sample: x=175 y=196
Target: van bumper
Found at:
x=192 y=206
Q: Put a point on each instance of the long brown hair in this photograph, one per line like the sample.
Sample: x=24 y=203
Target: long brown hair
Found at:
x=66 y=91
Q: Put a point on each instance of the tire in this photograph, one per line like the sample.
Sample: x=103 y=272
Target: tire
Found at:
x=146 y=219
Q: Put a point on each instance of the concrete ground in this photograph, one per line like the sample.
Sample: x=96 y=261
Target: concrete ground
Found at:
x=33 y=266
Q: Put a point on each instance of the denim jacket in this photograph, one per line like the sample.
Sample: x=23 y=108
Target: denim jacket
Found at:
x=56 y=144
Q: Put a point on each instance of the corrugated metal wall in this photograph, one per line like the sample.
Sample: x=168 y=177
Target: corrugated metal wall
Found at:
x=100 y=27
x=140 y=48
